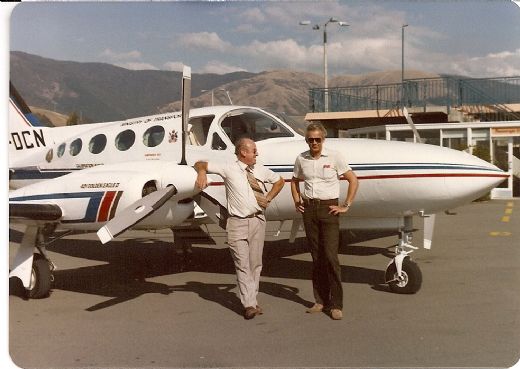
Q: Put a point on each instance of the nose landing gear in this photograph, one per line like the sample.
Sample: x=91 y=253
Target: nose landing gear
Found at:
x=402 y=274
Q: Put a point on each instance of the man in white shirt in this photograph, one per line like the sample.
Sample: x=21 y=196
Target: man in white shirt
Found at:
x=246 y=203
x=320 y=170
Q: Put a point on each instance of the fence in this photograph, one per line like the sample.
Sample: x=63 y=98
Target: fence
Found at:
x=445 y=92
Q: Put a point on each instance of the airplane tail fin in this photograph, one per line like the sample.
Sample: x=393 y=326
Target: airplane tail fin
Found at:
x=20 y=115
x=27 y=135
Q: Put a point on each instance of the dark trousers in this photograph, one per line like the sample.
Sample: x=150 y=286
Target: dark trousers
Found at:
x=322 y=231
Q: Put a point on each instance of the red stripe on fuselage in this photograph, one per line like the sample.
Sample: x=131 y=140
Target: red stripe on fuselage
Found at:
x=418 y=175
x=104 y=208
x=390 y=176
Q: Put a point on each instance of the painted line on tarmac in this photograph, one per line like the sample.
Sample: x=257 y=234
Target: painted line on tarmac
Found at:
x=505 y=219
x=507 y=212
x=500 y=234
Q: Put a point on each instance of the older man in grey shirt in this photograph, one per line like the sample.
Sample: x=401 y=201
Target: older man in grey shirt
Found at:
x=246 y=203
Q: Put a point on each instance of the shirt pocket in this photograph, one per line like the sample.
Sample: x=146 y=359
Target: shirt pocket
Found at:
x=328 y=171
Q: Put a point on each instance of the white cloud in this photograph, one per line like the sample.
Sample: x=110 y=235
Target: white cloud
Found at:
x=371 y=43
x=218 y=67
x=253 y=15
x=112 y=55
x=276 y=54
x=205 y=40
x=505 y=63
x=174 y=66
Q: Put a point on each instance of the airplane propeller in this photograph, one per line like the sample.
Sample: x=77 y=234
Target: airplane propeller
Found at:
x=134 y=213
x=144 y=207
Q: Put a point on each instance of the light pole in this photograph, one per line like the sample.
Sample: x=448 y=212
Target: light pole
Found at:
x=402 y=62
x=316 y=27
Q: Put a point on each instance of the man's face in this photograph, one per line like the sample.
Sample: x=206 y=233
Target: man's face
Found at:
x=315 y=141
x=249 y=153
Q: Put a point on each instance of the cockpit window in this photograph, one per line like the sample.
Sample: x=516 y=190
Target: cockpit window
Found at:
x=254 y=125
x=75 y=147
x=153 y=136
x=97 y=143
x=61 y=150
x=125 y=140
x=217 y=143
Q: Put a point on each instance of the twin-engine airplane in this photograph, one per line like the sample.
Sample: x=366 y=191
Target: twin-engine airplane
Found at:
x=136 y=173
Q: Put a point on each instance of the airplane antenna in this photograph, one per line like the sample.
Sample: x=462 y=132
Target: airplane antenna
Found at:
x=186 y=96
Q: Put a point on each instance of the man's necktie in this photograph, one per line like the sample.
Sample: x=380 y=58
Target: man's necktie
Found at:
x=255 y=186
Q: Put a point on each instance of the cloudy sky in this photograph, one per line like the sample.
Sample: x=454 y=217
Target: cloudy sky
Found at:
x=473 y=38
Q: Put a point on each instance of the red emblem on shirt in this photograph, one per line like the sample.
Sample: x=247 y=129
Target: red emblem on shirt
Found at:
x=326 y=165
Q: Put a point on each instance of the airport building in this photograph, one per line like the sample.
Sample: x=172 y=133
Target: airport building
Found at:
x=479 y=116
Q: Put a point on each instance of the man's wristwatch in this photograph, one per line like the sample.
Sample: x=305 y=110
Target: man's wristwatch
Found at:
x=346 y=205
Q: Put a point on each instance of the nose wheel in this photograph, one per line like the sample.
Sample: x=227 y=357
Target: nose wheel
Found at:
x=402 y=274
x=408 y=281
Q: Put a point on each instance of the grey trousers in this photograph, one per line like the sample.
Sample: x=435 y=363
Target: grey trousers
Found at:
x=245 y=238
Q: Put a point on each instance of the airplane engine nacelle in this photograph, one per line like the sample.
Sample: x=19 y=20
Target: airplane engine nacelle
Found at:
x=95 y=195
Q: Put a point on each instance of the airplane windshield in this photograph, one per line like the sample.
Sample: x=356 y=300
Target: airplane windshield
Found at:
x=254 y=125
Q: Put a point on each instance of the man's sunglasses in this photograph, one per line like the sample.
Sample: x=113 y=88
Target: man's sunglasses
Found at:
x=313 y=139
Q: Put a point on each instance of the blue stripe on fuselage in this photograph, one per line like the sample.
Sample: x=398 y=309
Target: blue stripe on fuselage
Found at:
x=35 y=174
x=92 y=207
x=395 y=166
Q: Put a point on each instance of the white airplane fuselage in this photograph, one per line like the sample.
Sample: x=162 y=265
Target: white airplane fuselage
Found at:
x=397 y=179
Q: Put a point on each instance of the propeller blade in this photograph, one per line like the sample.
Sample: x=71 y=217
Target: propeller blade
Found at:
x=134 y=213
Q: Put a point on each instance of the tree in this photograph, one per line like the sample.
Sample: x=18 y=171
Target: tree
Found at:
x=73 y=119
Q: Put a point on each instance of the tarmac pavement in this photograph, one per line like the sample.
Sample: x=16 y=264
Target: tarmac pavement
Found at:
x=135 y=303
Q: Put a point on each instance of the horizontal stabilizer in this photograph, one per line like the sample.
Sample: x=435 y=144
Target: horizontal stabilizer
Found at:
x=134 y=213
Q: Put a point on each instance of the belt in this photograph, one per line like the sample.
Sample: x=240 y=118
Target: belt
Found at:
x=320 y=202
x=248 y=216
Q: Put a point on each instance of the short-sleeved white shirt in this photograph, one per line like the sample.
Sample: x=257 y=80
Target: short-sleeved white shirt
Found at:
x=320 y=176
x=241 y=200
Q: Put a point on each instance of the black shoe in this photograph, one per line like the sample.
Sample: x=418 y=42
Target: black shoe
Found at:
x=250 y=313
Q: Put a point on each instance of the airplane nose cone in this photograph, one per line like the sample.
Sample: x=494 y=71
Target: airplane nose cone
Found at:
x=472 y=177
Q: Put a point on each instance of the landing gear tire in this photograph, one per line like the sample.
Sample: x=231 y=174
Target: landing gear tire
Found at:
x=40 y=284
x=410 y=280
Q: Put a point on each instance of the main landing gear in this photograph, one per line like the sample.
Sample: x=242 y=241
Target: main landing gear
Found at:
x=402 y=274
x=34 y=269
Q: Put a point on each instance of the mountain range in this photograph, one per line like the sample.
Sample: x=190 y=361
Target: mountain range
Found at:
x=104 y=92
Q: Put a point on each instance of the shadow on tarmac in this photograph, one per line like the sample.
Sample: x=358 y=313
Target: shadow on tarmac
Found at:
x=130 y=262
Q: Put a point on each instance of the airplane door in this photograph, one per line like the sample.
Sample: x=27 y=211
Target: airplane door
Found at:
x=502 y=157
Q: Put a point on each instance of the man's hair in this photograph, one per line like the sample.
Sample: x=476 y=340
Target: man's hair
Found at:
x=316 y=127
x=241 y=143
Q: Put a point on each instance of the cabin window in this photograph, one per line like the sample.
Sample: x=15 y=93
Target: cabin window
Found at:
x=217 y=143
x=61 y=150
x=254 y=125
x=198 y=129
x=75 y=147
x=125 y=140
x=153 y=136
x=97 y=143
